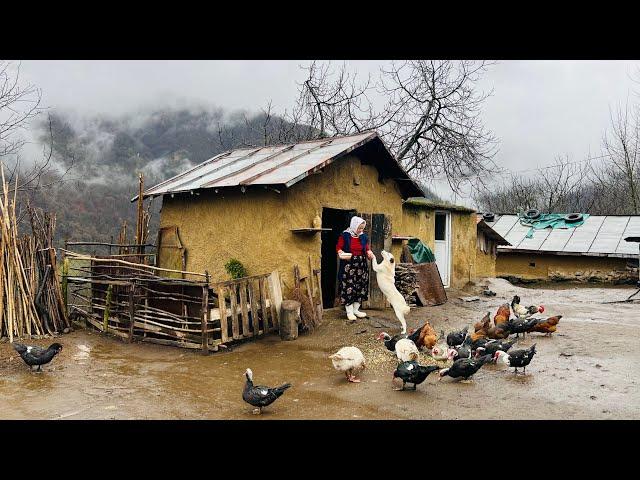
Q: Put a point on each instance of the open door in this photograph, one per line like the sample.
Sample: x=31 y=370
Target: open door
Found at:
x=337 y=220
x=443 y=245
x=379 y=231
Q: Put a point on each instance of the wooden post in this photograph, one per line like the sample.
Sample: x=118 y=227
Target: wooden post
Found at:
x=243 y=308
x=289 y=319
x=204 y=315
x=263 y=305
x=233 y=296
x=107 y=309
x=132 y=309
x=65 y=285
x=222 y=307
x=254 y=308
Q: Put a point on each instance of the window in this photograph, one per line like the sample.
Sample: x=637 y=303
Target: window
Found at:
x=441 y=226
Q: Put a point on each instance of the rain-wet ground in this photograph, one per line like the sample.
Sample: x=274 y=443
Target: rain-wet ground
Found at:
x=590 y=369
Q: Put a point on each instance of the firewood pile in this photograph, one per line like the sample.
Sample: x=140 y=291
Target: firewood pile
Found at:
x=31 y=302
x=407 y=282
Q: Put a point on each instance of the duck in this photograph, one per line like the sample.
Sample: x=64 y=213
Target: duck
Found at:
x=389 y=341
x=406 y=350
x=260 y=396
x=522 y=326
x=464 y=350
x=456 y=338
x=412 y=372
x=349 y=360
x=465 y=367
x=39 y=356
x=491 y=347
x=516 y=358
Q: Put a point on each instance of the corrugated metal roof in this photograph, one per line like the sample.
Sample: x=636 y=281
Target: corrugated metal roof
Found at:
x=597 y=236
x=436 y=204
x=272 y=165
x=490 y=232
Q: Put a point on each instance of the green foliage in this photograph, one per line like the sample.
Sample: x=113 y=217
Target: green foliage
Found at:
x=235 y=269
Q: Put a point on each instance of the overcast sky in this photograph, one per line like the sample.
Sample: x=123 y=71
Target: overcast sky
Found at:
x=538 y=110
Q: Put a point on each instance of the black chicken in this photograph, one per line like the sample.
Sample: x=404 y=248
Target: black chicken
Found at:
x=516 y=358
x=413 y=372
x=521 y=326
x=258 y=395
x=389 y=341
x=37 y=355
x=456 y=338
x=492 y=346
x=465 y=367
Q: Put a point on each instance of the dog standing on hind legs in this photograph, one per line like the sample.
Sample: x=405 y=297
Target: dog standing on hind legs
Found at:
x=386 y=277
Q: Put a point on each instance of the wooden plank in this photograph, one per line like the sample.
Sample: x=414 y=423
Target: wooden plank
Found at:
x=205 y=314
x=223 y=315
x=275 y=294
x=376 y=297
x=233 y=295
x=243 y=305
x=263 y=305
x=253 y=296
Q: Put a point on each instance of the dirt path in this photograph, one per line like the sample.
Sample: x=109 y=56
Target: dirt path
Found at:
x=590 y=369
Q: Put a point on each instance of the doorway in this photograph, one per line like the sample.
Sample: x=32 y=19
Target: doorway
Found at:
x=443 y=245
x=337 y=220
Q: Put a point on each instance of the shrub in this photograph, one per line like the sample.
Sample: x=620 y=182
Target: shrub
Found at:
x=235 y=269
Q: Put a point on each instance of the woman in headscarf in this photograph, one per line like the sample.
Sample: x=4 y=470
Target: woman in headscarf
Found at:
x=353 y=275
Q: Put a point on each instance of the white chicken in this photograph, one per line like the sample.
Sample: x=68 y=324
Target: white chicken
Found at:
x=349 y=360
x=406 y=350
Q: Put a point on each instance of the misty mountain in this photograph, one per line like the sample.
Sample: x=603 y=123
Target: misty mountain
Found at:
x=103 y=156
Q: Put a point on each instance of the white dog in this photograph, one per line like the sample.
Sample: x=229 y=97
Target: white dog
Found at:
x=386 y=276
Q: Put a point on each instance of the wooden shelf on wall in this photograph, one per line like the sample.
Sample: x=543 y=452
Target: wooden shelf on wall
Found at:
x=398 y=238
x=310 y=230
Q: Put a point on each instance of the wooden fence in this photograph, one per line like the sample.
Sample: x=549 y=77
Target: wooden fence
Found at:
x=131 y=301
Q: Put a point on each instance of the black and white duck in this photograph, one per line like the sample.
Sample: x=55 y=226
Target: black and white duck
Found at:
x=39 y=356
x=412 y=372
x=260 y=396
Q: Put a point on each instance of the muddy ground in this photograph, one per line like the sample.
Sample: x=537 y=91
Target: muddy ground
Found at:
x=590 y=369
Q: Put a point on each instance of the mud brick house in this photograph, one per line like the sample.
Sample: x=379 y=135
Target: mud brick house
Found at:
x=592 y=252
x=258 y=205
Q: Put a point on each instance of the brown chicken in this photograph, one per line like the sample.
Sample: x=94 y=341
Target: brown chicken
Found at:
x=498 y=332
x=483 y=324
x=547 y=326
x=503 y=314
x=478 y=335
x=424 y=337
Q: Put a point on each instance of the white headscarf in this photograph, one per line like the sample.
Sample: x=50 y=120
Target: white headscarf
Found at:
x=355 y=223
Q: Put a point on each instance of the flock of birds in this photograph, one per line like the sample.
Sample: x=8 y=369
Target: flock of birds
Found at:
x=468 y=351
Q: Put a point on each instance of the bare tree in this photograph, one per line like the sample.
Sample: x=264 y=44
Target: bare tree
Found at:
x=622 y=146
x=430 y=117
x=563 y=187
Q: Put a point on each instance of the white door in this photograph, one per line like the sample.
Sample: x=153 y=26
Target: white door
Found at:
x=443 y=245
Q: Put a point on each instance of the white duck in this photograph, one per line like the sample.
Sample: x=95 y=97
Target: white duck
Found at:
x=406 y=350
x=349 y=360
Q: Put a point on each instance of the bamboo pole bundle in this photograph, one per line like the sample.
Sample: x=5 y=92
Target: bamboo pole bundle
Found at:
x=17 y=308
